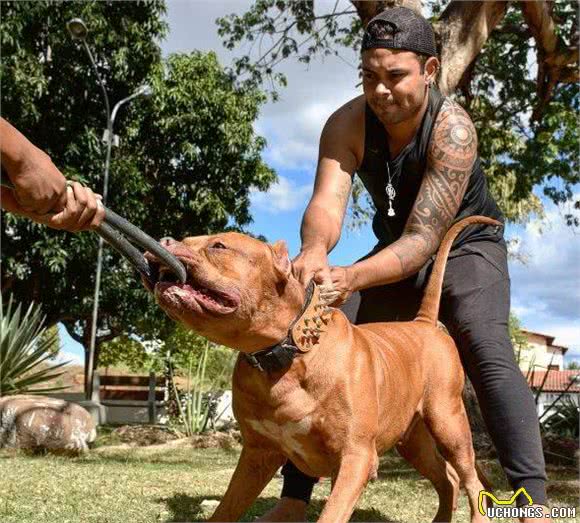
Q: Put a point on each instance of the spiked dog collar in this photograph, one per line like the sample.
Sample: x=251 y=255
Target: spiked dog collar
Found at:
x=303 y=334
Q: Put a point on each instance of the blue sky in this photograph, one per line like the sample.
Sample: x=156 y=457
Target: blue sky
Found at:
x=545 y=291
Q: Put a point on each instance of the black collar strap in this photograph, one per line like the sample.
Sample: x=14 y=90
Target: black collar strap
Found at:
x=279 y=356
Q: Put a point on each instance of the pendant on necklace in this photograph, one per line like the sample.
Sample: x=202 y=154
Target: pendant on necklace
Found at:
x=391 y=193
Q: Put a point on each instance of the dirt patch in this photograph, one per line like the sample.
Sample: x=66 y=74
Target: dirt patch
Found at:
x=158 y=438
x=144 y=435
x=222 y=440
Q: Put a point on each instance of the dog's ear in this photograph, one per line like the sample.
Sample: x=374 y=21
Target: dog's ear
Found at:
x=282 y=264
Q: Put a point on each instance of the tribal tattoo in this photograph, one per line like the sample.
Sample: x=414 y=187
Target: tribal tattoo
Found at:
x=452 y=152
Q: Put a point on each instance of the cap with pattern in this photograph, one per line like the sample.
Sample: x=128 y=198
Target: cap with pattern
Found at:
x=405 y=30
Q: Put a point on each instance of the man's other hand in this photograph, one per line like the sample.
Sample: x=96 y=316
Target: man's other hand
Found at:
x=312 y=263
x=342 y=285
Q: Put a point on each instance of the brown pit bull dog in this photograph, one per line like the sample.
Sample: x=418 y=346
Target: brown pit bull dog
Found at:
x=311 y=387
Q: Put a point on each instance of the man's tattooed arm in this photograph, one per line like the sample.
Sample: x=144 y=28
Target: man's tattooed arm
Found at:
x=452 y=152
x=451 y=155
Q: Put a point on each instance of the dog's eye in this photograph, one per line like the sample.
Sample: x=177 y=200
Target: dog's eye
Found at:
x=218 y=245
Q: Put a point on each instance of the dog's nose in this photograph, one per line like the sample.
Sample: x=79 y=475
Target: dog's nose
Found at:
x=166 y=241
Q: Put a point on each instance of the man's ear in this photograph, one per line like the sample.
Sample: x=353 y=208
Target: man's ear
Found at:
x=282 y=264
x=431 y=70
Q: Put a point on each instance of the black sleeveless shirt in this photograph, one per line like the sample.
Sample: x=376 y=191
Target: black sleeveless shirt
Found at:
x=407 y=170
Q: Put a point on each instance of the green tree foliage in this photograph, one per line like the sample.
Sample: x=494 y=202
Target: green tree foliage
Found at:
x=500 y=87
x=51 y=337
x=184 y=348
x=517 y=337
x=187 y=161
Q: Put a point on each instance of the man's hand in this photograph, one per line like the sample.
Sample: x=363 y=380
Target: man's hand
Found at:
x=342 y=284
x=335 y=283
x=312 y=263
x=39 y=187
x=83 y=209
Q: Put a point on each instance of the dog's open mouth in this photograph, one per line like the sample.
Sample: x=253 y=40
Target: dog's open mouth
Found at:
x=192 y=296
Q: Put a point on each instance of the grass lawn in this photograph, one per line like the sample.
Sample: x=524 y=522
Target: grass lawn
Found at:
x=148 y=484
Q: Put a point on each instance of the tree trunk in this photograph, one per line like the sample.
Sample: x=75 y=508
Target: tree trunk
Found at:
x=557 y=62
x=462 y=31
x=368 y=9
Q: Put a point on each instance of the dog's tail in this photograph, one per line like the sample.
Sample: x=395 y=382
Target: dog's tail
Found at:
x=429 y=310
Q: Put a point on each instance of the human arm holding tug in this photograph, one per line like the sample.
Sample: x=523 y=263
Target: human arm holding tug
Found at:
x=39 y=188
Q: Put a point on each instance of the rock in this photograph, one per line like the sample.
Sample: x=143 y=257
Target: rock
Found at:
x=223 y=411
x=208 y=506
x=42 y=423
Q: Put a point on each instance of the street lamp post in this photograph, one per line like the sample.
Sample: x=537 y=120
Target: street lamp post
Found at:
x=78 y=31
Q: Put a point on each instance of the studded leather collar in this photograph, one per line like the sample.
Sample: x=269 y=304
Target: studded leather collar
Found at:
x=303 y=334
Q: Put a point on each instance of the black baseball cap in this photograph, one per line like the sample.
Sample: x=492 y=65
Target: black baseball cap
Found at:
x=406 y=30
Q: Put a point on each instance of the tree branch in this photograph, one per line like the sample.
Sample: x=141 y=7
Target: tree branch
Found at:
x=557 y=62
x=518 y=30
x=462 y=30
x=367 y=9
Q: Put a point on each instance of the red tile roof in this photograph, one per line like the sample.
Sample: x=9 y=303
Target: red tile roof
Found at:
x=557 y=380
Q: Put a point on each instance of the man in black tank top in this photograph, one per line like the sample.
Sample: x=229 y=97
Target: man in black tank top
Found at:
x=416 y=153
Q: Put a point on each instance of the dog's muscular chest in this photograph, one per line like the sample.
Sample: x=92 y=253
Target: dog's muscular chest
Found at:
x=299 y=427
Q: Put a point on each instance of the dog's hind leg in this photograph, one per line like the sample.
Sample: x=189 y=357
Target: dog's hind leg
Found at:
x=255 y=469
x=419 y=449
x=447 y=421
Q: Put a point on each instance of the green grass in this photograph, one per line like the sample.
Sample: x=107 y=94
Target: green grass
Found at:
x=121 y=485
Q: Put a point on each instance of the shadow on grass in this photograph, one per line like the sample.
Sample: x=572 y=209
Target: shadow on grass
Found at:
x=138 y=460
x=185 y=508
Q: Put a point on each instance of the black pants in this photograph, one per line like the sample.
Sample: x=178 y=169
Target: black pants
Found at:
x=475 y=309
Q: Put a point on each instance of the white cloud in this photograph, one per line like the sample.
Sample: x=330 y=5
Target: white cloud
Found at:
x=284 y=196
x=546 y=290
x=71 y=357
x=292 y=125
x=548 y=284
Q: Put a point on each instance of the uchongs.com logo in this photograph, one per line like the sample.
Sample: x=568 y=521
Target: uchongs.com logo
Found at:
x=503 y=508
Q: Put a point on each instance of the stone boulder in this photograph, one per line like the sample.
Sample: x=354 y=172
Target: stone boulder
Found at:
x=41 y=423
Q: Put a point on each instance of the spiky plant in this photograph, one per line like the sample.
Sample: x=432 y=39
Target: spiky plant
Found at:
x=24 y=350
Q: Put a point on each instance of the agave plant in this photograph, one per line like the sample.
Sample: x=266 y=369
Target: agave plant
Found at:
x=563 y=419
x=24 y=350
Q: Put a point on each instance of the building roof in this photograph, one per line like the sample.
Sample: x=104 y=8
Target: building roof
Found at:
x=548 y=339
x=559 y=347
x=557 y=380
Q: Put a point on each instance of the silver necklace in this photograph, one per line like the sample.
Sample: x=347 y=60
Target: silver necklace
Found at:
x=391 y=193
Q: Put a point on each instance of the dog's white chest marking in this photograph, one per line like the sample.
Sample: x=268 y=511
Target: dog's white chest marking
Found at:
x=284 y=435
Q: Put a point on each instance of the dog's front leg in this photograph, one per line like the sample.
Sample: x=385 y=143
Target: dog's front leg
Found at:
x=255 y=469
x=356 y=468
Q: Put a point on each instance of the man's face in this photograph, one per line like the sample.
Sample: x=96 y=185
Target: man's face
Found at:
x=393 y=84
